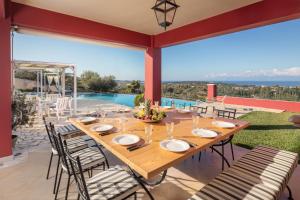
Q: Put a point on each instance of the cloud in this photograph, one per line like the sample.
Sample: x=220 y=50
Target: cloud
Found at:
x=291 y=72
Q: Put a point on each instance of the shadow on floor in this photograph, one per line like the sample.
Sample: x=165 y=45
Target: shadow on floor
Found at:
x=270 y=127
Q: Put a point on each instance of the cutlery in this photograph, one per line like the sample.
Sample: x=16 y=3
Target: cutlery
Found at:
x=190 y=143
x=132 y=148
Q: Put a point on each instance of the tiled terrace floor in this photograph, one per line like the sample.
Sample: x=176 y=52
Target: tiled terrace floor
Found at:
x=26 y=180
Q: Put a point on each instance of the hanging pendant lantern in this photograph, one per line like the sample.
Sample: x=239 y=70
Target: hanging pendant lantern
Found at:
x=165 y=11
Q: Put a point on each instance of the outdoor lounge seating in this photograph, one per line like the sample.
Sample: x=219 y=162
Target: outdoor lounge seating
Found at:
x=263 y=173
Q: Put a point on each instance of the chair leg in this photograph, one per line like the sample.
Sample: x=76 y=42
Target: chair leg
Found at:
x=57 y=168
x=223 y=155
x=199 y=156
x=135 y=196
x=68 y=186
x=232 y=153
x=50 y=162
x=146 y=189
x=57 y=189
x=290 y=193
x=78 y=197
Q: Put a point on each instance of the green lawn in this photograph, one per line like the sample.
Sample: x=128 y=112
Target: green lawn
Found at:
x=270 y=129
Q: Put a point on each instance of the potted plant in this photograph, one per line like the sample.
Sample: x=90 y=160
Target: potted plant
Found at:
x=21 y=110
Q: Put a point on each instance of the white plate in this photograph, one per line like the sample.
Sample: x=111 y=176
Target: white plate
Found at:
x=205 y=133
x=126 y=139
x=124 y=110
x=222 y=124
x=174 y=145
x=183 y=111
x=86 y=119
x=102 y=127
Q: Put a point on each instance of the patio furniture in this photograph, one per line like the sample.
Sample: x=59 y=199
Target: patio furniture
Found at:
x=150 y=160
x=230 y=114
x=203 y=110
x=75 y=144
x=295 y=119
x=113 y=183
x=226 y=113
x=52 y=98
x=91 y=159
x=62 y=105
x=263 y=173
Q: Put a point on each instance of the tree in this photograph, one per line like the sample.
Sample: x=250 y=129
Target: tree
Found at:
x=108 y=83
x=89 y=78
x=28 y=75
x=134 y=87
x=93 y=82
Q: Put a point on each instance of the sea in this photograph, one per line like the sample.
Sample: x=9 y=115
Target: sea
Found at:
x=264 y=83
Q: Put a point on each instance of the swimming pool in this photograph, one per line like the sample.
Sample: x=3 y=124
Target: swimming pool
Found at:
x=127 y=99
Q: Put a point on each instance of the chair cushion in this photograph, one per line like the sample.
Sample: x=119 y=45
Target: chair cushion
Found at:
x=68 y=129
x=89 y=157
x=114 y=183
x=263 y=173
x=76 y=144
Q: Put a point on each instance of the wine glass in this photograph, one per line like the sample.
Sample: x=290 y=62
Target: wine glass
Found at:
x=148 y=133
x=170 y=130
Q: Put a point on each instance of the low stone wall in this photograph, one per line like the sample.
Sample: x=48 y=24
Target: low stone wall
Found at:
x=24 y=84
x=291 y=106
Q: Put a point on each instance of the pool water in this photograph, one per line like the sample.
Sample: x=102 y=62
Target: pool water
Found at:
x=128 y=99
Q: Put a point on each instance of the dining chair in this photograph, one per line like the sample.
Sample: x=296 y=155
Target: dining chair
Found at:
x=116 y=183
x=91 y=159
x=229 y=114
x=203 y=110
x=75 y=144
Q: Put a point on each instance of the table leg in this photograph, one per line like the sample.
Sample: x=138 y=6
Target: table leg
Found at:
x=220 y=154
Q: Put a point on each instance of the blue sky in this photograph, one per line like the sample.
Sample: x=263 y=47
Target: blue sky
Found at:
x=266 y=53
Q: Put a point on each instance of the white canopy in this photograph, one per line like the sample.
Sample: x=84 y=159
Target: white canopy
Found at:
x=44 y=69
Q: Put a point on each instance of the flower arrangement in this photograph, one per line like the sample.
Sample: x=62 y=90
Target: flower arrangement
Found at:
x=148 y=114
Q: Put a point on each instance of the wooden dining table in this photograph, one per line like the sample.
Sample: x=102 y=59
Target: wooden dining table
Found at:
x=151 y=160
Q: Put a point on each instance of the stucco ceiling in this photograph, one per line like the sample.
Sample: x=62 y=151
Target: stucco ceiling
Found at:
x=136 y=15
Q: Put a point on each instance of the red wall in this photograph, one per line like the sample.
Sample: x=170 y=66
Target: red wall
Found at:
x=153 y=74
x=5 y=89
x=52 y=22
x=211 y=91
x=290 y=106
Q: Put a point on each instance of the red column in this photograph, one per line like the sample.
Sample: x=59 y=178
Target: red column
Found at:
x=211 y=91
x=5 y=88
x=153 y=74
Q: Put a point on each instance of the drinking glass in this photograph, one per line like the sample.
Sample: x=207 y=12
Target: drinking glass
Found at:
x=103 y=114
x=123 y=121
x=195 y=120
x=170 y=130
x=148 y=133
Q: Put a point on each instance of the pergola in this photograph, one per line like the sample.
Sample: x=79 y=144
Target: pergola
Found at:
x=129 y=23
x=43 y=70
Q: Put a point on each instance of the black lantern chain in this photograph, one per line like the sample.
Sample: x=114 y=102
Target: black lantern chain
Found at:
x=165 y=11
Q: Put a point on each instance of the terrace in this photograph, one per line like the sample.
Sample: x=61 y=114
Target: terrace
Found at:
x=178 y=175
